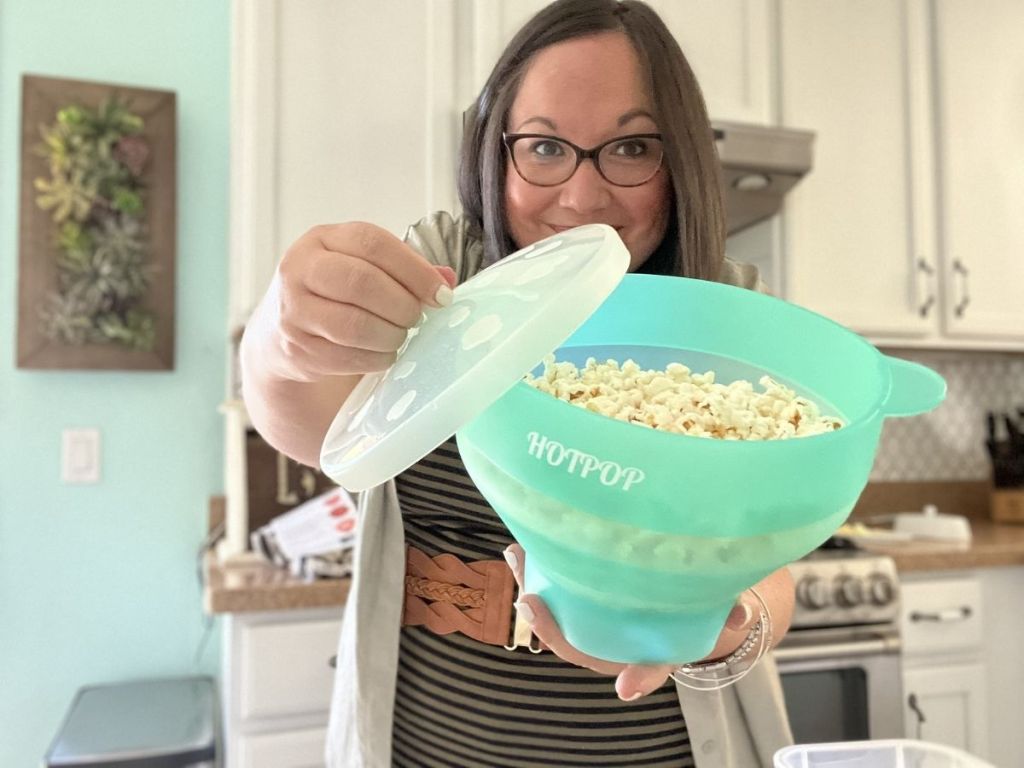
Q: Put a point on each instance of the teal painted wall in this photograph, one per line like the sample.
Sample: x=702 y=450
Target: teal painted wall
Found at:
x=98 y=583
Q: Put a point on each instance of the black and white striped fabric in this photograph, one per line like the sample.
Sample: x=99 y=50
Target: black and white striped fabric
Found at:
x=465 y=704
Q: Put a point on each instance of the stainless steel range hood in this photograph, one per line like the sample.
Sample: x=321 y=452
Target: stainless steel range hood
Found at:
x=760 y=164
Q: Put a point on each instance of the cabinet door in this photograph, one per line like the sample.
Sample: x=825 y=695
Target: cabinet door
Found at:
x=1004 y=627
x=858 y=232
x=287 y=749
x=283 y=668
x=340 y=113
x=980 y=72
x=951 y=700
x=728 y=44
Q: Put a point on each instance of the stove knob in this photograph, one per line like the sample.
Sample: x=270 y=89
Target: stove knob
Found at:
x=849 y=591
x=881 y=590
x=812 y=593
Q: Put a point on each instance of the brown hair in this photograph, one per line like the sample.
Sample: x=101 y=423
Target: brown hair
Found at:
x=694 y=242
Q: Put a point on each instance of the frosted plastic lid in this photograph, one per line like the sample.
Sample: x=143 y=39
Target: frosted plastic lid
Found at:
x=882 y=753
x=463 y=357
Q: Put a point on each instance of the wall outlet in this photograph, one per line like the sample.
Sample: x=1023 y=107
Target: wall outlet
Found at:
x=80 y=456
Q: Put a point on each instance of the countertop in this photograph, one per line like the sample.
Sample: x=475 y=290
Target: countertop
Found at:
x=260 y=586
x=992 y=545
x=250 y=583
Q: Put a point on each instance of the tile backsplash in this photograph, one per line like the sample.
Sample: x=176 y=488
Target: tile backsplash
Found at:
x=949 y=442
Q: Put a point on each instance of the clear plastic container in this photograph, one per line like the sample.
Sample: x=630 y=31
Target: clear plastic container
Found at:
x=888 y=753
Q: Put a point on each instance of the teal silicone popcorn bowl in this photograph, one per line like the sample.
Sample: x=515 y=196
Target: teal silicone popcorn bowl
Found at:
x=639 y=540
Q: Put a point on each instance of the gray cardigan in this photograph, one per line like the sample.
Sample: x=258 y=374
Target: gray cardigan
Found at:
x=738 y=727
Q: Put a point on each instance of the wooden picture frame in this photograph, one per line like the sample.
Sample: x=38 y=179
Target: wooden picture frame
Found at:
x=42 y=98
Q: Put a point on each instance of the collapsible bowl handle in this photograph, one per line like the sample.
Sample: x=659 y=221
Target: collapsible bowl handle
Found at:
x=915 y=388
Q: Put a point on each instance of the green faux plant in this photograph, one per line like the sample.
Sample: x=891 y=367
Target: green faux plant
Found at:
x=97 y=201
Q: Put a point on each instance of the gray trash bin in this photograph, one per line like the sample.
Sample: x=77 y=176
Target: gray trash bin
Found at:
x=169 y=723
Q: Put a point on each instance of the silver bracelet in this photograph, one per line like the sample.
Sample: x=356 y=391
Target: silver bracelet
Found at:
x=718 y=674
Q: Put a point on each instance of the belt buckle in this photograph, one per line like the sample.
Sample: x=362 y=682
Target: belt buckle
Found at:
x=522 y=633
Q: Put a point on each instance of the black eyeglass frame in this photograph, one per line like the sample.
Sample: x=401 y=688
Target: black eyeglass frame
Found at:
x=508 y=139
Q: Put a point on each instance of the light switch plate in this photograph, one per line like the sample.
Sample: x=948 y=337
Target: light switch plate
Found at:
x=80 y=456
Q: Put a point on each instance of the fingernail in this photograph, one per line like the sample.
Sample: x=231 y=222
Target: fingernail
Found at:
x=525 y=611
x=634 y=697
x=511 y=559
x=449 y=276
x=444 y=295
x=739 y=616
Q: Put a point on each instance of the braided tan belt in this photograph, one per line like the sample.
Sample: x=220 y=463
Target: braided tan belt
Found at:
x=475 y=598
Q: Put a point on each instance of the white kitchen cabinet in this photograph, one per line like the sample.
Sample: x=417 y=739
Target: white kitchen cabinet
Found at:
x=907 y=228
x=1002 y=631
x=289 y=749
x=945 y=690
x=951 y=700
x=728 y=43
x=342 y=112
x=277 y=682
x=913 y=202
x=980 y=108
x=859 y=242
x=942 y=616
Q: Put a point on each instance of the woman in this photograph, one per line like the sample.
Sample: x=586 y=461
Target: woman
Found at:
x=592 y=114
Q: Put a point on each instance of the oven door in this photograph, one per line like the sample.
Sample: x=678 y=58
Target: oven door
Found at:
x=842 y=684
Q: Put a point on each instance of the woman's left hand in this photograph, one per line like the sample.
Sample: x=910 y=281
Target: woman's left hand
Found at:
x=636 y=680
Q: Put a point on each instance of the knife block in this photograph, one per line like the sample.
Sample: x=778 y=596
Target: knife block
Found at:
x=1007 y=505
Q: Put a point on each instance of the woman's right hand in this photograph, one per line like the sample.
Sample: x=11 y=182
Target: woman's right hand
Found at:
x=340 y=305
x=342 y=301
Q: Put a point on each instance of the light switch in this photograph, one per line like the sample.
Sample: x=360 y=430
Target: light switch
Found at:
x=80 y=456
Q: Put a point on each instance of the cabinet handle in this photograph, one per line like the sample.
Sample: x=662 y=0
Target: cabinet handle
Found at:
x=949 y=614
x=333 y=661
x=916 y=709
x=928 y=272
x=965 y=299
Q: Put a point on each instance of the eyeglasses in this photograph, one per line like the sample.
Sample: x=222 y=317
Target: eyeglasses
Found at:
x=546 y=161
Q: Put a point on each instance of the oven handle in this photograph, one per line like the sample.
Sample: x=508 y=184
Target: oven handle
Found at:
x=838 y=650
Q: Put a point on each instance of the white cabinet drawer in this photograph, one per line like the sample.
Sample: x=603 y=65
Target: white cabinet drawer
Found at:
x=284 y=669
x=288 y=749
x=941 y=615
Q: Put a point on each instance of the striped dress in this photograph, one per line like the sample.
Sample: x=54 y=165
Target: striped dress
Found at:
x=466 y=704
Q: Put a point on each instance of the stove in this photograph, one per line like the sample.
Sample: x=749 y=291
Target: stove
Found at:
x=840 y=662
x=839 y=586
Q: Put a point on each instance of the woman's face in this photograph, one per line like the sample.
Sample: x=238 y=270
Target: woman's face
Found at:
x=587 y=91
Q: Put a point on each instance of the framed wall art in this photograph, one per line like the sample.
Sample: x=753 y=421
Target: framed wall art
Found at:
x=97 y=226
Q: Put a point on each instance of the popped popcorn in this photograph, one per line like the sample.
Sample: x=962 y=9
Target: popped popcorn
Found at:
x=679 y=400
